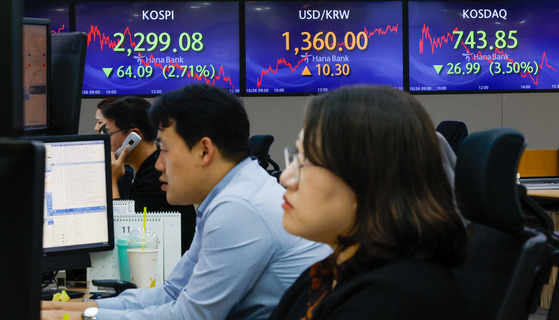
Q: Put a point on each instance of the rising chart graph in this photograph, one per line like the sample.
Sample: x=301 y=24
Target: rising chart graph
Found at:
x=324 y=48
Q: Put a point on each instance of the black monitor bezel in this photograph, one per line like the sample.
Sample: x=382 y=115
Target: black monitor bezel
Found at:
x=22 y=197
x=67 y=63
x=11 y=77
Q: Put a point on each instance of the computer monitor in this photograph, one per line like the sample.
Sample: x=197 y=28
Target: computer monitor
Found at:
x=78 y=211
x=21 y=192
x=11 y=78
x=36 y=79
x=67 y=68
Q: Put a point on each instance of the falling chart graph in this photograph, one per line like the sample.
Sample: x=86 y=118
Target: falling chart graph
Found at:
x=152 y=56
x=525 y=69
x=506 y=50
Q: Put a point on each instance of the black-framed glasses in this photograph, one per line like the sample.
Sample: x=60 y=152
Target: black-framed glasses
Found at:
x=292 y=159
x=104 y=130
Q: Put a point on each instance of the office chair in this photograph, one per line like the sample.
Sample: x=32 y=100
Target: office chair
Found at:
x=508 y=262
x=454 y=132
x=259 y=149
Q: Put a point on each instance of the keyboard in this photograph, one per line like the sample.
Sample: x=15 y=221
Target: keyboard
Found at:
x=541 y=186
x=47 y=294
x=543 y=183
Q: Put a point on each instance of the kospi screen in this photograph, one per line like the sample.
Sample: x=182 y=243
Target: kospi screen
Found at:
x=317 y=46
x=152 y=47
x=483 y=46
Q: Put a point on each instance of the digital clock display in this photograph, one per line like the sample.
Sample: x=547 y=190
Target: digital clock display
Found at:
x=149 y=48
x=317 y=46
x=483 y=46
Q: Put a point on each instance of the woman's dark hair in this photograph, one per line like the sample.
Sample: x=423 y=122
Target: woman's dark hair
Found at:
x=101 y=105
x=382 y=143
x=131 y=112
x=201 y=110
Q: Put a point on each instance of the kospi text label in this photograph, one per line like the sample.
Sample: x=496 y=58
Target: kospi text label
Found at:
x=158 y=14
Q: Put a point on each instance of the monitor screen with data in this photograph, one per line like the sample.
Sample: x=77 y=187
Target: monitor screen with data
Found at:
x=78 y=215
x=36 y=63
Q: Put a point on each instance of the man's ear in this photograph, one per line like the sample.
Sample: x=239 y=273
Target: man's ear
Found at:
x=208 y=149
x=136 y=130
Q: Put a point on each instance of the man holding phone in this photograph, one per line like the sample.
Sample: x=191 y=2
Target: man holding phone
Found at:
x=127 y=123
x=241 y=259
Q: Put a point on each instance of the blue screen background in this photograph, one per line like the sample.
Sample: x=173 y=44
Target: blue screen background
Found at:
x=433 y=22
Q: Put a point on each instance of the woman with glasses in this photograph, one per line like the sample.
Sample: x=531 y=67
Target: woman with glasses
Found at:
x=366 y=177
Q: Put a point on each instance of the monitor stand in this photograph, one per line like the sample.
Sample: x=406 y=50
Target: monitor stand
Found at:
x=68 y=262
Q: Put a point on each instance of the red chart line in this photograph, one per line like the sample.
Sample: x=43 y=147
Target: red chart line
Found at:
x=282 y=61
x=498 y=52
x=279 y=62
x=59 y=30
x=106 y=40
x=94 y=33
x=435 y=42
x=220 y=74
x=379 y=31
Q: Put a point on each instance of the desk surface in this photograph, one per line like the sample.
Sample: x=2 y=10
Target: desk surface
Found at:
x=545 y=193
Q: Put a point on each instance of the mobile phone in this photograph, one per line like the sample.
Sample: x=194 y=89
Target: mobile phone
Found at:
x=131 y=140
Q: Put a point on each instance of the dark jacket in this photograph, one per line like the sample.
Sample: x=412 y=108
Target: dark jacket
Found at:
x=402 y=289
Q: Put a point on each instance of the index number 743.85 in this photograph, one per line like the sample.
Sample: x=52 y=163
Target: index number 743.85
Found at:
x=502 y=39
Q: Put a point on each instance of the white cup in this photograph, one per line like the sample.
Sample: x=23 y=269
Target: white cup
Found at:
x=143 y=267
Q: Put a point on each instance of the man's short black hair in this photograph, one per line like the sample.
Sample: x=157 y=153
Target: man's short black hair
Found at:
x=201 y=110
x=131 y=112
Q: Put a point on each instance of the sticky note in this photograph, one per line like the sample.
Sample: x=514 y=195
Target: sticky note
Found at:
x=64 y=296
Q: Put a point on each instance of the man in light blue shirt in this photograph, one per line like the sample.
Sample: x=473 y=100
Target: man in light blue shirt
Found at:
x=241 y=259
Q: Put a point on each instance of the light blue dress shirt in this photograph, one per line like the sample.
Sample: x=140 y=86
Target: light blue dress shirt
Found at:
x=239 y=264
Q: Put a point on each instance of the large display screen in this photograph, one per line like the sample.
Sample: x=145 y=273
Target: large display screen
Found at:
x=58 y=12
x=483 y=46
x=149 y=48
x=317 y=46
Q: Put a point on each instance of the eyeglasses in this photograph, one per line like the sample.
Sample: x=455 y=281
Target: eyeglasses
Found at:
x=104 y=130
x=292 y=158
